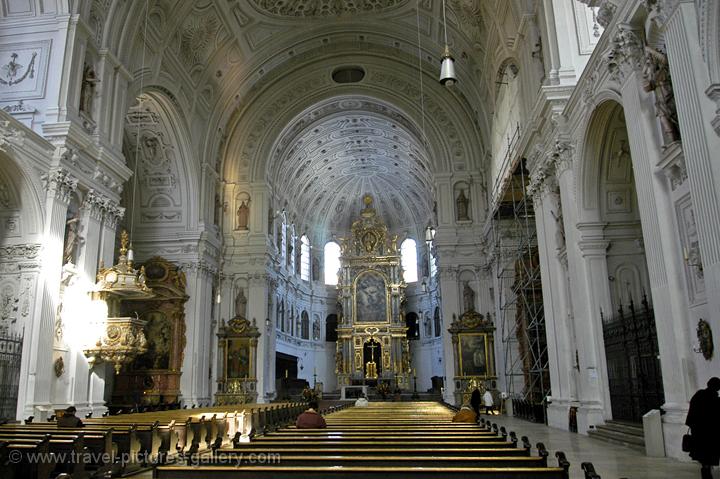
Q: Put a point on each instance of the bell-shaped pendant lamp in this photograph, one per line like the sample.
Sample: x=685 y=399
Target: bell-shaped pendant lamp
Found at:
x=447 y=65
x=447 y=69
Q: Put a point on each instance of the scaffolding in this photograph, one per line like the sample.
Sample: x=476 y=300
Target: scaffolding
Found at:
x=519 y=294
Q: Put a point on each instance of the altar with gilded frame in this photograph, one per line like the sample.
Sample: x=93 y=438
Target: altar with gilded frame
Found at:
x=372 y=336
x=473 y=339
x=237 y=351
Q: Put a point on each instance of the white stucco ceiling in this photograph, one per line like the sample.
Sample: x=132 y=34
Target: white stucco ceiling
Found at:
x=332 y=155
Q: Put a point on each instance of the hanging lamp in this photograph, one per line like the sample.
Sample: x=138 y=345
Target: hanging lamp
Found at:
x=447 y=62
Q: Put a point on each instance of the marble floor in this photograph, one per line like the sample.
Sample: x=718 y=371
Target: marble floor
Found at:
x=611 y=461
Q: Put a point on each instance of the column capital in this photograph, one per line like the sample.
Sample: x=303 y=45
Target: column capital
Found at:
x=95 y=204
x=660 y=11
x=625 y=54
x=606 y=10
x=60 y=183
x=113 y=214
x=10 y=136
x=563 y=156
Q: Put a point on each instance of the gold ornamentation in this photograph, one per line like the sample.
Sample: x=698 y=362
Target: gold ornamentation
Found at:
x=123 y=341
x=59 y=367
x=472 y=319
x=704 y=335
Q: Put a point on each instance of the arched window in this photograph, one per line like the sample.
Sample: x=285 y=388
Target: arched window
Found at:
x=331 y=323
x=304 y=258
x=332 y=262
x=408 y=253
x=438 y=325
x=413 y=326
x=304 y=325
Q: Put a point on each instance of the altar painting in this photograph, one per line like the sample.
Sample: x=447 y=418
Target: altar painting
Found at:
x=473 y=354
x=370 y=299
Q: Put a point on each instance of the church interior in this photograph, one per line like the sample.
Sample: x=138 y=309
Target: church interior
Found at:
x=216 y=212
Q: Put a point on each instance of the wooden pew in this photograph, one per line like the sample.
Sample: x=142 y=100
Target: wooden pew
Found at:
x=363 y=472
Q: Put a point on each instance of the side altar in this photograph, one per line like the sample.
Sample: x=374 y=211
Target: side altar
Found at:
x=372 y=340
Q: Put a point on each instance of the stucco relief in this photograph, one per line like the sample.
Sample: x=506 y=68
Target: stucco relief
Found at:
x=324 y=8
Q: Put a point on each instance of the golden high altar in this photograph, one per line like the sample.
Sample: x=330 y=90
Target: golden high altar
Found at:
x=372 y=335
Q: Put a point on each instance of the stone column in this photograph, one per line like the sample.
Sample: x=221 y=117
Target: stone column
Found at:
x=558 y=318
x=102 y=375
x=450 y=305
x=663 y=252
x=195 y=379
x=700 y=143
x=258 y=311
x=91 y=214
x=36 y=374
x=587 y=270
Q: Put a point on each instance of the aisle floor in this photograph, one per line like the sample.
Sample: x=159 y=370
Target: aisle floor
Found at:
x=611 y=461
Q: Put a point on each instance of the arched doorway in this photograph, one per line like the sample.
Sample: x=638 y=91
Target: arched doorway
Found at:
x=628 y=322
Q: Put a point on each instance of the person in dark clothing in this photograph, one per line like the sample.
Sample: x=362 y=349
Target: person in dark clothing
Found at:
x=69 y=419
x=704 y=421
x=311 y=419
x=475 y=401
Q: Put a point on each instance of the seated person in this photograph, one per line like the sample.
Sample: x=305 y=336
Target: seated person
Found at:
x=311 y=419
x=465 y=414
x=361 y=401
x=69 y=419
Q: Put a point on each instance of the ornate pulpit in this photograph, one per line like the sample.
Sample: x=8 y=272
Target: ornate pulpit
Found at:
x=372 y=343
x=153 y=378
x=237 y=350
x=473 y=339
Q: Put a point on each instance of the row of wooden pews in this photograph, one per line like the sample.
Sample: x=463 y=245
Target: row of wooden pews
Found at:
x=123 y=444
x=388 y=440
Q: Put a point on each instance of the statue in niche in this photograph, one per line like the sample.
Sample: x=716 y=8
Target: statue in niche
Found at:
x=339 y=363
x=316 y=330
x=425 y=265
x=87 y=90
x=468 y=297
x=315 y=269
x=462 y=203
x=151 y=149
x=559 y=229
x=241 y=303
x=72 y=239
x=243 y=215
x=218 y=210
x=428 y=326
x=656 y=75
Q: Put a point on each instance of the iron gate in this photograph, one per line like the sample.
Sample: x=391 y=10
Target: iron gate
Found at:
x=10 y=356
x=633 y=364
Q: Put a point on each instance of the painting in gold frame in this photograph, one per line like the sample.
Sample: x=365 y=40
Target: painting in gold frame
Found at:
x=238 y=358
x=473 y=352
